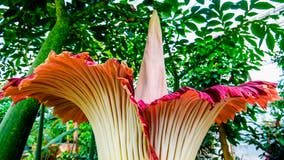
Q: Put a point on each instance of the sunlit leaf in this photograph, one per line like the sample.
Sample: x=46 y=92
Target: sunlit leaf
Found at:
x=218 y=29
x=226 y=5
x=228 y=24
x=213 y=23
x=198 y=18
x=228 y=16
x=200 y=1
x=239 y=18
x=194 y=9
x=252 y=14
x=262 y=5
x=191 y=26
x=243 y=5
x=270 y=41
x=257 y=30
x=250 y=40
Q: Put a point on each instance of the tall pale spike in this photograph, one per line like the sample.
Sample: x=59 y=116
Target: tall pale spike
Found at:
x=152 y=79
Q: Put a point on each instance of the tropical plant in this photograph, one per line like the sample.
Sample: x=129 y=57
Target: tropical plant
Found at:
x=204 y=44
x=151 y=125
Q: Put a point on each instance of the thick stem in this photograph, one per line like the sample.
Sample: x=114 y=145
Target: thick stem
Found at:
x=40 y=133
x=15 y=128
x=224 y=143
x=17 y=123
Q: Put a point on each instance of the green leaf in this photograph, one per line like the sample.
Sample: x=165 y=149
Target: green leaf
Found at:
x=226 y=6
x=213 y=23
x=281 y=44
x=218 y=29
x=270 y=41
x=274 y=27
x=191 y=26
x=228 y=24
x=228 y=16
x=243 y=5
x=239 y=18
x=183 y=41
x=200 y=1
x=251 y=40
x=280 y=1
x=198 y=18
x=181 y=31
x=280 y=140
x=186 y=2
x=275 y=17
x=251 y=14
x=257 y=30
x=194 y=9
x=262 y=5
x=259 y=52
x=59 y=138
x=204 y=11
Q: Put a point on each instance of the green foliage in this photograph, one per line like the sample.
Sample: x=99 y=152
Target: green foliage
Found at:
x=4 y=105
x=55 y=134
x=269 y=136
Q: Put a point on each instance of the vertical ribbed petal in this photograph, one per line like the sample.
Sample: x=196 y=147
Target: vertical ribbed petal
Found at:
x=82 y=90
x=178 y=122
x=152 y=79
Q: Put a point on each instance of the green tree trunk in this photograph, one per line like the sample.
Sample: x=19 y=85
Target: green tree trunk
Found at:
x=17 y=123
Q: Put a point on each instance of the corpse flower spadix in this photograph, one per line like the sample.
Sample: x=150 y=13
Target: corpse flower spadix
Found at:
x=150 y=125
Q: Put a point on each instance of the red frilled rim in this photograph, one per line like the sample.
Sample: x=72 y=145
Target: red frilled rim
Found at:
x=18 y=88
x=234 y=98
x=124 y=73
x=252 y=92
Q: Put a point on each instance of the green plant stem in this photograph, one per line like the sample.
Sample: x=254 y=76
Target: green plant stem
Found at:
x=17 y=123
x=15 y=128
x=224 y=144
x=92 y=146
x=40 y=133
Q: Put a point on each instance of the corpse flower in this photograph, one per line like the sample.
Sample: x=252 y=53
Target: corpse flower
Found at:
x=150 y=125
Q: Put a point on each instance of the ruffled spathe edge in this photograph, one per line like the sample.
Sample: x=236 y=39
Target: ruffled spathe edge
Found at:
x=253 y=92
x=181 y=118
x=14 y=87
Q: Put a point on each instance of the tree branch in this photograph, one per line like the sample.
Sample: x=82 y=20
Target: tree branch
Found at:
x=17 y=123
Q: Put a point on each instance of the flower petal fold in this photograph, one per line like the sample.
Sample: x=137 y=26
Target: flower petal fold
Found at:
x=236 y=98
x=178 y=122
x=81 y=90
